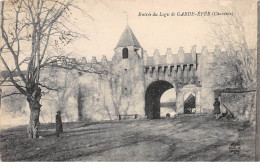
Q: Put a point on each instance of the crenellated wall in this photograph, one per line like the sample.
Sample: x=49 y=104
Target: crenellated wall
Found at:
x=178 y=68
x=70 y=63
x=185 y=72
x=169 y=58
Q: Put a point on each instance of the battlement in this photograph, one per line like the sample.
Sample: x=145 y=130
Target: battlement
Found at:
x=169 y=58
x=66 y=61
x=181 y=58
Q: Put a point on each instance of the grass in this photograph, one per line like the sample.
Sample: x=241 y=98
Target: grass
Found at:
x=183 y=138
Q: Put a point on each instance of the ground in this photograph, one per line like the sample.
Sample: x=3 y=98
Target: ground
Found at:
x=183 y=138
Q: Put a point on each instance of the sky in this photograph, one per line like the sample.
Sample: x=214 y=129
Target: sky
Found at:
x=109 y=21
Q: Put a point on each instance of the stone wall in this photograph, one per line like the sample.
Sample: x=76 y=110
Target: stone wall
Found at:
x=242 y=105
x=92 y=96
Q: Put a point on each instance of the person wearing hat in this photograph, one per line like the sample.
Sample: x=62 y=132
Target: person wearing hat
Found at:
x=216 y=110
x=59 y=128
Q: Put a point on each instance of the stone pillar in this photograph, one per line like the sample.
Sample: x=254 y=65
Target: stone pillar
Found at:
x=168 y=73
x=189 y=66
x=198 y=106
x=161 y=73
x=186 y=74
x=150 y=72
x=192 y=74
x=147 y=75
x=174 y=73
x=180 y=73
x=195 y=73
x=155 y=73
x=207 y=95
x=179 y=102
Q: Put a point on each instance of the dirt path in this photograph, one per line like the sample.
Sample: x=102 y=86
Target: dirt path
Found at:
x=184 y=138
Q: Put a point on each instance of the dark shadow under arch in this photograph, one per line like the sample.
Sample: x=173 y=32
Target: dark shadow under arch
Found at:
x=153 y=95
x=190 y=103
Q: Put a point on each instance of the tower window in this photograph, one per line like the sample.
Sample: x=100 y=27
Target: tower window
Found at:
x=125 y=53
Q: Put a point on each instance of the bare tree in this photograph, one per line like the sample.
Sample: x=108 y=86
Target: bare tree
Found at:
x=236 y=67
x=29 y=29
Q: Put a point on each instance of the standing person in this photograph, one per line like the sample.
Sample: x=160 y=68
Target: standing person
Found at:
x=59 y=128
x=216 y=108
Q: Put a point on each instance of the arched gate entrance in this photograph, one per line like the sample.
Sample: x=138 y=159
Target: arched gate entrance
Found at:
x=152 y=98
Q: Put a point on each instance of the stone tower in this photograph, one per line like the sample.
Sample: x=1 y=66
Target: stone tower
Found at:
x=128 y=64
x=127 y=48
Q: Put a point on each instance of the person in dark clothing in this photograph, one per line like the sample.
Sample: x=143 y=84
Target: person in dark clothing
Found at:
x=216 y=108
x=59 y=128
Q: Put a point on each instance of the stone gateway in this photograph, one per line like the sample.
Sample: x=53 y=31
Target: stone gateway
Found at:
x=137 y=81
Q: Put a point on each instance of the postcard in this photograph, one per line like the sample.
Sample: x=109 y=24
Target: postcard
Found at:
x=129 y=81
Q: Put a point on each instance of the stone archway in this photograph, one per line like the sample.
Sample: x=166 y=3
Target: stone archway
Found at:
x=193 y=101
x=152 y=98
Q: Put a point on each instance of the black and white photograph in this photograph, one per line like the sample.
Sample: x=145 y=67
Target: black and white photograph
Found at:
x=129 y=81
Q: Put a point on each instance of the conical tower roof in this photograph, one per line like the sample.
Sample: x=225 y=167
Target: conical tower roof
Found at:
x=128 y=39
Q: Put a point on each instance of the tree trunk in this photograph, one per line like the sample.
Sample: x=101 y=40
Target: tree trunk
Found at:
x=35 y=107
x=80 y=105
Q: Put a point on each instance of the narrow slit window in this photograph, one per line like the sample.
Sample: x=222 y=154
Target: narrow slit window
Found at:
x=125 y=53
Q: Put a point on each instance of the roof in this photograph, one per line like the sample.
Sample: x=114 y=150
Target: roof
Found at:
x=234 y=90
x=128 y=39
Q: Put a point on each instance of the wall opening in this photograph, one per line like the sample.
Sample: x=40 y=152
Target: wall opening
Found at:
x=189 y=103
x=125 y=53
x=153 y=95
x=168 y=103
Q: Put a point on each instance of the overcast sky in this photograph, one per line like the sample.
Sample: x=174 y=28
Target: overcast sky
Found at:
x=109 y=21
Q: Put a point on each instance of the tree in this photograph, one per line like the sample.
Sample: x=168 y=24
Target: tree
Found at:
x=236 y=67
x=234 y=71
x=29 y=29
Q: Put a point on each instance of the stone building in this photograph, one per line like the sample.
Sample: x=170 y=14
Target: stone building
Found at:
x=133 y=82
